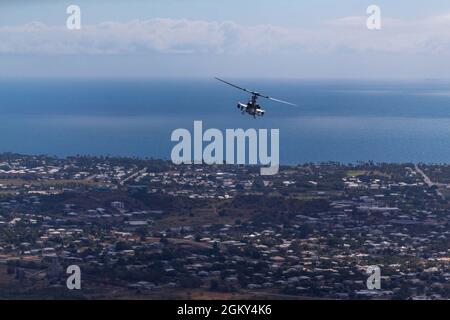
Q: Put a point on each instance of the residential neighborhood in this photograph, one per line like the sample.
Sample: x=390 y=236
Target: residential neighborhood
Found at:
x=145 y=228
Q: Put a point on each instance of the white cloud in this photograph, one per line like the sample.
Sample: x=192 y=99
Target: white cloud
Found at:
x=430 y=35
x=157 y=35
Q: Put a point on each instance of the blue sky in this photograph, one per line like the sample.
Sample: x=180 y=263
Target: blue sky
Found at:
x=203 y=38
x=281 y=12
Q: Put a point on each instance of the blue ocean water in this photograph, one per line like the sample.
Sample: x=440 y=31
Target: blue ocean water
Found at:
x=346 y=121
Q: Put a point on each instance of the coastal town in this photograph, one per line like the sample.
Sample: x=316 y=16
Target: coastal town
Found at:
x=149 y=229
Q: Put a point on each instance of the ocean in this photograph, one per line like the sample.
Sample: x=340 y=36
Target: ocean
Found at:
x=336 y=120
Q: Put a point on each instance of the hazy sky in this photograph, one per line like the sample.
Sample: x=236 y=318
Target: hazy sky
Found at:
x=232 y=38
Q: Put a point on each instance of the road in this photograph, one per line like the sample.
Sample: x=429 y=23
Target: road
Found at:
x=134 y=175
x=430 y=183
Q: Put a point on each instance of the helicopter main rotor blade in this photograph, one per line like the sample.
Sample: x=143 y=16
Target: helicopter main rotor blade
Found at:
x=254 y=93
x=281 y=101
x=277 y=100
x=237 y=87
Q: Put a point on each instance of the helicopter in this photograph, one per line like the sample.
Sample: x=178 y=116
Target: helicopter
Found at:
x=252 y=107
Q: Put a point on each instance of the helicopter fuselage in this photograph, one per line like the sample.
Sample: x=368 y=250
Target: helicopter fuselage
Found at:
x=251 y=108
